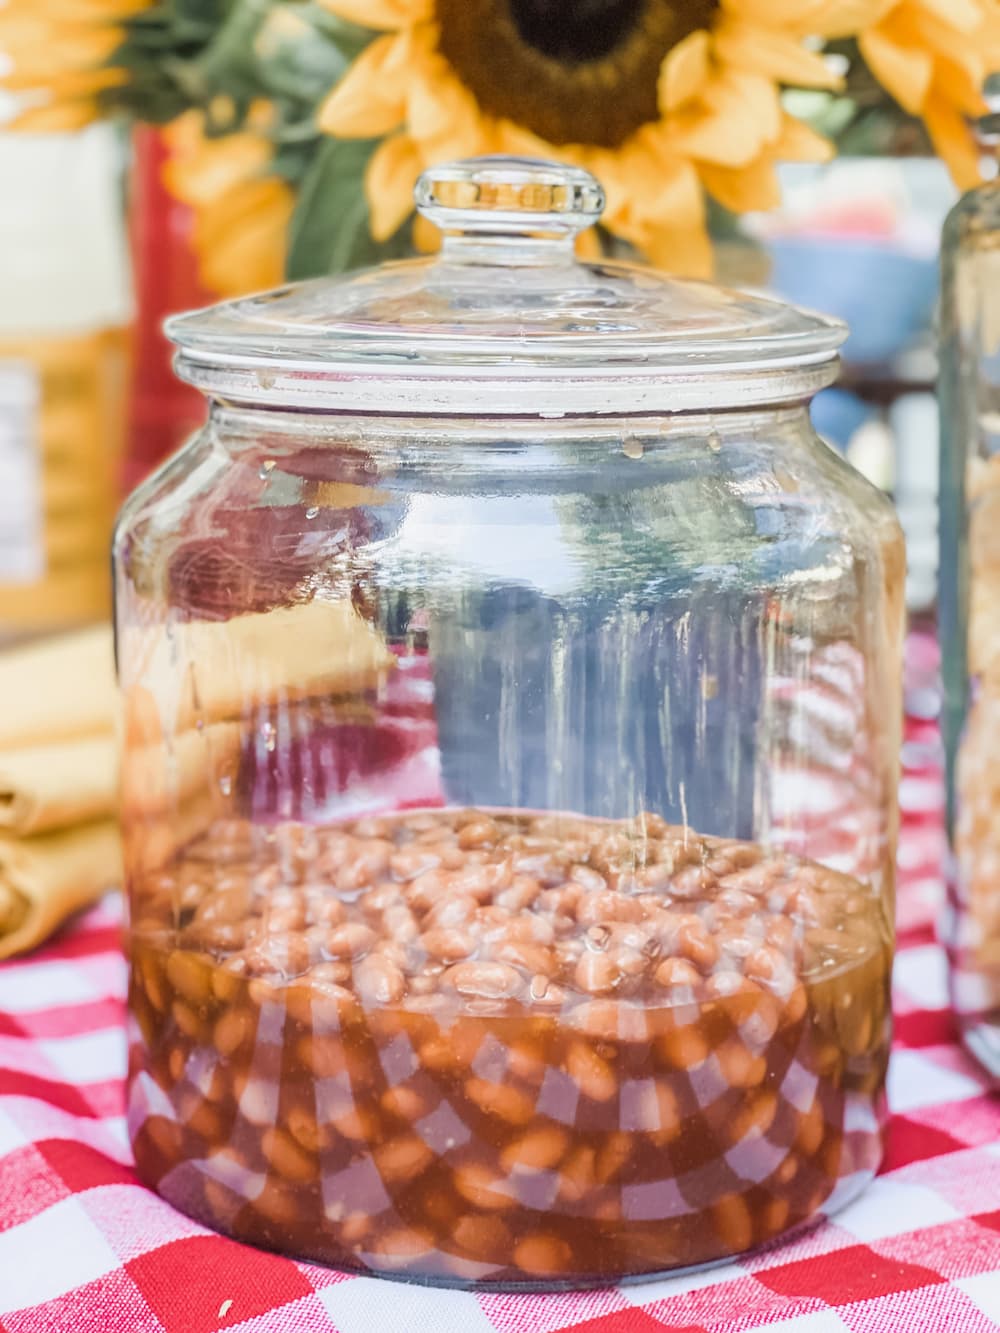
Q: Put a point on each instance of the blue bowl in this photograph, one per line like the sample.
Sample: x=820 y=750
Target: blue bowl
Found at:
x=886 y=297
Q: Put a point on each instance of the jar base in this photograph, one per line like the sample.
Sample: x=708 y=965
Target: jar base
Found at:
x=844 y=1194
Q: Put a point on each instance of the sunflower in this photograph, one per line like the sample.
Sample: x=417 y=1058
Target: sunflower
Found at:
x=661 y=99
x=241 y=208
x=58 y=53
x=933 y=56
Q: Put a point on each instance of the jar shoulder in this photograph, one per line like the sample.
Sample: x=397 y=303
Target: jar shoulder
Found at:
x=171 y=488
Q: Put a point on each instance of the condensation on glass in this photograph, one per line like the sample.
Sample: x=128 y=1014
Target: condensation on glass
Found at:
x=970 y=603
x=511 y=687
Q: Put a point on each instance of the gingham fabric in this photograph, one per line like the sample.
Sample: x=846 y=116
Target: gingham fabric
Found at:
x=85 y=1249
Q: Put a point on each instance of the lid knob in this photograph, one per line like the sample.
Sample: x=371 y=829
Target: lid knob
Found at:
x=514 y=198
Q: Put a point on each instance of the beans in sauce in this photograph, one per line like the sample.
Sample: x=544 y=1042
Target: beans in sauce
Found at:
x=504 y=1048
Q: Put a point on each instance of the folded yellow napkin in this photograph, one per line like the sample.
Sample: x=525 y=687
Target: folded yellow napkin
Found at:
x=55 y=786
x=58 y=783
x=58 y=690
x=45 y=879
x=46 y=787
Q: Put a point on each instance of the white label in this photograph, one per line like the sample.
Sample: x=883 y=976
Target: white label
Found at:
x=22 y=557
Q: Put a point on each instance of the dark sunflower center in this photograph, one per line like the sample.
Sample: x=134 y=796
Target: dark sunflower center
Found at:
x=586 y=30
x=572 y=71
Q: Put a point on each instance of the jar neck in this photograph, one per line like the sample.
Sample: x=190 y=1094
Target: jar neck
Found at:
x=302 y=428
x=523 y=452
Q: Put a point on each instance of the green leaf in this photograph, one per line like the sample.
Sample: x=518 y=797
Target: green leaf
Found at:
x=178 y=23
x=348 y=37
x=228 y=64
x=208 y=12
x=329 y=231
x=293 y=157
x=299 y=61
x=226 y=54
x=158 y=48
x=721 y=223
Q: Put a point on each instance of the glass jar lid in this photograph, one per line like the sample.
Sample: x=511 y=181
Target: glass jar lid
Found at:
x=507 y=320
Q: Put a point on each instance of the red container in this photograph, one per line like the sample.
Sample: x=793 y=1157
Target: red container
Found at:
x=162 y=411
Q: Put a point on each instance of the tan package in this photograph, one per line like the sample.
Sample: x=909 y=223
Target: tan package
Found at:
x=76 y=593
x=57 y=690
x=46 y=879
x=53 y=786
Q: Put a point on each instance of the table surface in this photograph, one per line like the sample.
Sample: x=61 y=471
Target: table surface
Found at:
x=84 y=1248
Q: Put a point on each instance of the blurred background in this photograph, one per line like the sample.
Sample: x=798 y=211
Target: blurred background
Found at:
x=95 y=252
x=147 y=174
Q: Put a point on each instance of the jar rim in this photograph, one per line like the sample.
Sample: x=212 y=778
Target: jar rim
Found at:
x=504 y=392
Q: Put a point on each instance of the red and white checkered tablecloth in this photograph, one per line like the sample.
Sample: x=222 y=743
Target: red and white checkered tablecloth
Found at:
x=84 y=1248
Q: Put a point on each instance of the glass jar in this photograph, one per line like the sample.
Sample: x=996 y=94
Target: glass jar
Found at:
x=969 y=392
x=512 y=688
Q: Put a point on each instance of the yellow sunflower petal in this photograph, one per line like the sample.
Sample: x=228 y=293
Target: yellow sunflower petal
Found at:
x=55 y=117
x=741 y=114
x=251 y=205
x=389 y=181
x=905 y=71
x=380 y=14
x=426 y=237
x=200 y=170
x=740 y=92
x=520 y=142
x=953 y=140
x=32 y=46
x=684 y=251
x=252 y=259
x=588 y=244
x=67 y=84
x=647 y=186
x=370 y=100
x=821 y=18
x=262 y=116
x=775 y=54
x=964 y=15
x=748 y=189
x=969 y=54
x=184 y=136
x=80 y=11
x=684 y=71
x=716 y=138
x=672 y=191
x=798 y=143
x=961 y=90
x=241 y=210
x=443 y=116
x=988 y=40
